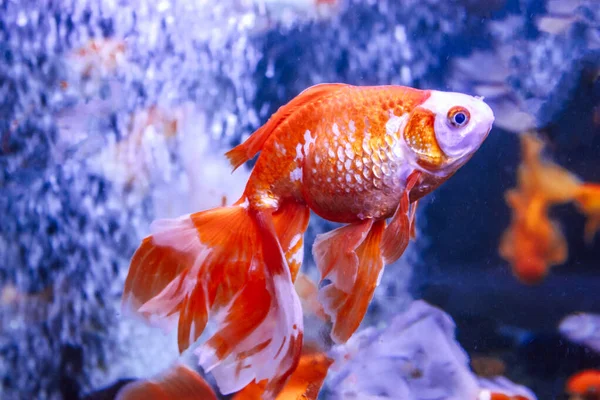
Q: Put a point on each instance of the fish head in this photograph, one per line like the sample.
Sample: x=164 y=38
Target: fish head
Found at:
x=446 y=129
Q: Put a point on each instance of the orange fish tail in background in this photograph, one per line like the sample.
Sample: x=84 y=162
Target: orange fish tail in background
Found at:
x=587 y=200
x=180 y=383
x=544 y=178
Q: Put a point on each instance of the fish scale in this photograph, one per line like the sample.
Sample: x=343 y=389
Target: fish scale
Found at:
x=323 y=153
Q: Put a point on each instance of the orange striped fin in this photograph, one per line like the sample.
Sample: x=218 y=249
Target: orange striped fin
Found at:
x=223 y=265
x=248 y=149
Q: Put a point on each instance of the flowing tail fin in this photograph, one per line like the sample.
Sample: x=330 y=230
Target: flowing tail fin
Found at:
x=179 y=382
x=305 y=383
x=588 y=202
x=225 y=265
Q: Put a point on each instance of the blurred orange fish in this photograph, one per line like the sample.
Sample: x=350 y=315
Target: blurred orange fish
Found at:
x=179 y=382
x=354 y=155
x=533 y=243
x=555 y=185
x=543 y=178
x=587 y=200
x=584 y=385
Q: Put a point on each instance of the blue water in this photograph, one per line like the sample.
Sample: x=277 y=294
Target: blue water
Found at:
x=73 y=212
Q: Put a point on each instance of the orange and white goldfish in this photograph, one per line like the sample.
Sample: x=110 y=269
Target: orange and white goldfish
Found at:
x=584 y=385
x=178 y=382
x=351 y=154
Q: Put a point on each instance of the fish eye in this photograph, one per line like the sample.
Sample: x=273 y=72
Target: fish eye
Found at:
x=458 y=116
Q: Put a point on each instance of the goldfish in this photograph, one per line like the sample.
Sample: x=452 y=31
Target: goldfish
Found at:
x=178 y=382
x=584 y=385
x=587 y=200
x=533 y=242
x=537 y=176
x=355 y=155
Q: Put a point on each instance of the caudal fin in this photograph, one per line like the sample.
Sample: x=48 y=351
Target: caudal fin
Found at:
x=350 y=258
x=305 y=383
x=179 y=382
x=222 y=265
x=588 y=202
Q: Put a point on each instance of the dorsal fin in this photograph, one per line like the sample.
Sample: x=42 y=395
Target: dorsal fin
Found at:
x=248 y=149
